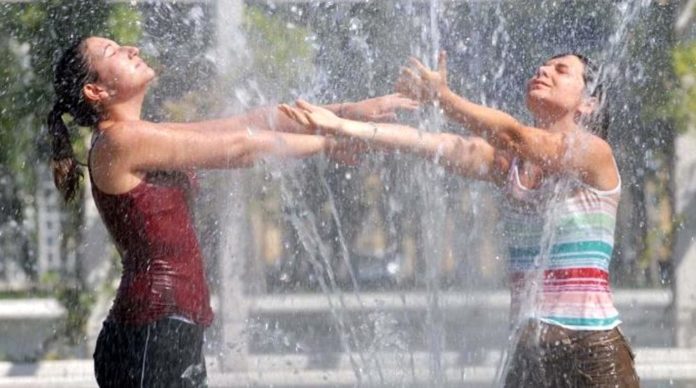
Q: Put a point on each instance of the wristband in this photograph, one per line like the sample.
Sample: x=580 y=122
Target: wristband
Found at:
x=374 y=129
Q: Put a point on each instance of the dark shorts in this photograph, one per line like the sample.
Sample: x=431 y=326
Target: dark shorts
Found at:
x=167 y=353
x=552 y=356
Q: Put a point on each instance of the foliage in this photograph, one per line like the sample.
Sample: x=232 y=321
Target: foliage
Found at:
x=278 y=61
x=280 y=50
x=32 y=37
x=684 y=96
x=123 y=24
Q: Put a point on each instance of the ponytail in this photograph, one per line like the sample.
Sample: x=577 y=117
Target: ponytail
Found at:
x=66 y=170
x=71 y=73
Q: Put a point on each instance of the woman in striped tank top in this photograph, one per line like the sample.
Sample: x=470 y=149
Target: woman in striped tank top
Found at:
x=561 y=187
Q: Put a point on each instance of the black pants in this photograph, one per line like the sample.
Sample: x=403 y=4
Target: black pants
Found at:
x=167 y=353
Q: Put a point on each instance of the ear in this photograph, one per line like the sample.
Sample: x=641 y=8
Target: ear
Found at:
x=588 y=105
x=95 y=93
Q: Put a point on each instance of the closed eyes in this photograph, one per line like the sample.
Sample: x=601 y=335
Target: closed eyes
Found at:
x=109 y=50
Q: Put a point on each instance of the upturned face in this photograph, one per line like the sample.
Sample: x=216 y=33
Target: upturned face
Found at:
x=121 y=73
x=558 y=88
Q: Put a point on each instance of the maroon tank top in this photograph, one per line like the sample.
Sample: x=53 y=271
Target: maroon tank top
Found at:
x=163 y=272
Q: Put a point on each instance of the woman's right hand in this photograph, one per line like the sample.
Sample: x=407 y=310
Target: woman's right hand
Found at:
x=313 y=117
x=420 y=83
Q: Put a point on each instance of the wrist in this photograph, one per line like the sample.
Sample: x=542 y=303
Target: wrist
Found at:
x=445 y=99
x=343 y=126
x=346 y=110
x=443 y=92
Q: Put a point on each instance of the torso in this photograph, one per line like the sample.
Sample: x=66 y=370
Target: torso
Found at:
x=560 y=233
x=152 y=227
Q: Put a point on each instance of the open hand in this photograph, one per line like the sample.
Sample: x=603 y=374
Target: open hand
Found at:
x=312 y=117
x=379 y=109
x=419 y=82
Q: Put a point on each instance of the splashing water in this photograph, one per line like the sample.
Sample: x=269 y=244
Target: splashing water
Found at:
x=485 y=55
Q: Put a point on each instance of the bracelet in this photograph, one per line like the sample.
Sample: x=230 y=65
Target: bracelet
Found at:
x=374 y=129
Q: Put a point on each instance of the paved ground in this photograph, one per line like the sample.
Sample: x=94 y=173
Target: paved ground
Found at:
x=657 y=368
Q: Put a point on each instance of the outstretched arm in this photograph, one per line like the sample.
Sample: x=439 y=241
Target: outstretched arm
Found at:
x=583 y=153
x=378 y=109
x=467 y=156
x=499 y=128
x=142 y=146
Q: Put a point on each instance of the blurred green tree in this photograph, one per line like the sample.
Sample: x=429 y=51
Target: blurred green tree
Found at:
x=32 y=36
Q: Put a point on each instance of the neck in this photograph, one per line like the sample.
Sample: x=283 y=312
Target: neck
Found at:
x=126 y=110
x=557 y=123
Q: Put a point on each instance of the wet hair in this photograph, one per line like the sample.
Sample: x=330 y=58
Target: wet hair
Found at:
x=71 y=73
x=598 y=121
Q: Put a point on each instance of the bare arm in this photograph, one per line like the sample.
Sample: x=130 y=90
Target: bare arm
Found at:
x=264 y=118
x=577 y=152
x=142 y=146
x=381 y=108
x=505 y=132
x=467 y=156
x=470 y=157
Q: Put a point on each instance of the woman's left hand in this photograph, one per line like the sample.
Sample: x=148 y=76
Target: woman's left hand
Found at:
x=421 y=83
x=312 y=117
x=379 y=109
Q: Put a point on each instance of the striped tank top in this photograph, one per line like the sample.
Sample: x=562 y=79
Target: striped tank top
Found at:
x=560 y=238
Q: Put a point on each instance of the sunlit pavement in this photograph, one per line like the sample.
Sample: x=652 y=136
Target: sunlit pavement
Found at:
x=656 y=367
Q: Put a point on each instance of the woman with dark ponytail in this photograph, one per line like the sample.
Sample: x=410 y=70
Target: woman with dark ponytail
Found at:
x=141 y=183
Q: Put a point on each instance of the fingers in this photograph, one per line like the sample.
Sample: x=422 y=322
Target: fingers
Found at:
x=442 y=62
x=295 y=114
x=407 y=83
x=286 y=111
x=302 y=104
x=409 y=75
x=399 y=101
x=408 y=103
x=401 y=85
x=418 y=65
x=400 y=97
x=404 y=88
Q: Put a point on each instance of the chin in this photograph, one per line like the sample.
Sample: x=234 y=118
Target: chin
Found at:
x=151 y=75
x=537 y=105
x=537 y=93
x=534 y=99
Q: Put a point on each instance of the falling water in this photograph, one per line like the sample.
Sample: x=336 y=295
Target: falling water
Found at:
x=612 y=56
x=488 y=49
x=389 y=273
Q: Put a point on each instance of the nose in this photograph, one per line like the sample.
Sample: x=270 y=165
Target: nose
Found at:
x=133 y=52
x=542 y=71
